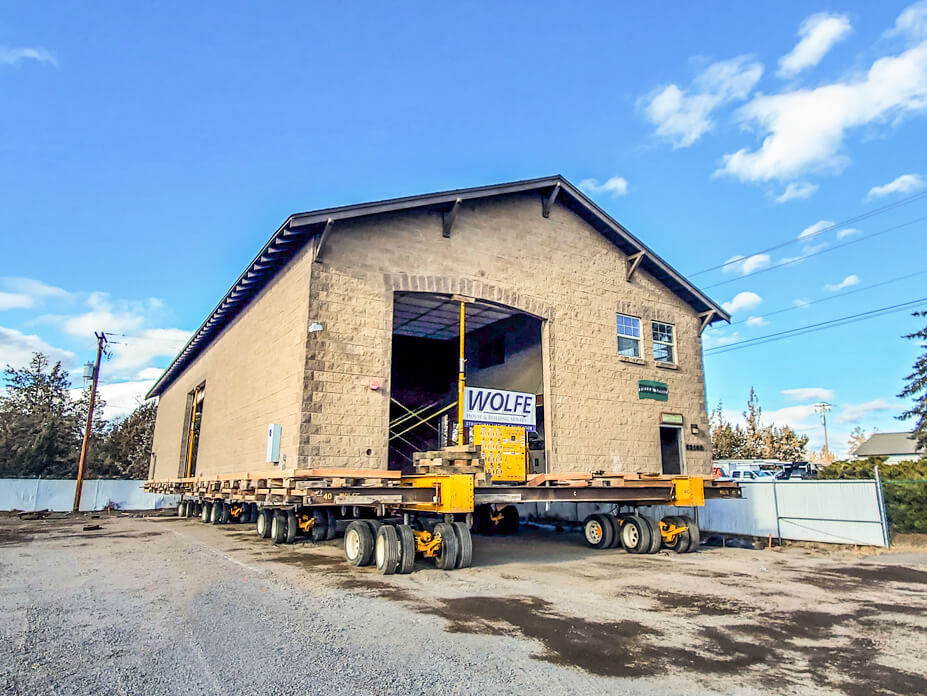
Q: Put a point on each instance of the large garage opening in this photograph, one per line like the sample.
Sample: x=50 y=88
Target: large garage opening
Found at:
x=502 y=349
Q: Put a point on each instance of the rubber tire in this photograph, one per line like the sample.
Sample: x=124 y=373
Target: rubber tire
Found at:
x=215 y=514
x=482 y=523
x=465 y=544
x=509 y=522
x=656 y=539
x=278 y=527
x=291 y=527
x=331 y=530
x=681 y=543
x=695 y=535
x=406 y=549
x=265 y=517
x=642 y=530
x=450 y=549
x=206 y=512
x=225 y=513
x=182 y=509
x=598 y=532
x=319 y=530
x=252 y=513
x=387 y=551
x=360 y=532
x=616 y=528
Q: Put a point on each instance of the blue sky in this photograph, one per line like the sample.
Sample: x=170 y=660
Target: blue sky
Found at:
x=148 y=150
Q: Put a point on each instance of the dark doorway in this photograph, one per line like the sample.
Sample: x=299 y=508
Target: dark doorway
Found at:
x=670 y=450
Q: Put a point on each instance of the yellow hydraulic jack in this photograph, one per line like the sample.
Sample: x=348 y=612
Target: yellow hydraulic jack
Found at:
x=235 y=510
x=669 y=532
x=305 y=522
x=427 y=544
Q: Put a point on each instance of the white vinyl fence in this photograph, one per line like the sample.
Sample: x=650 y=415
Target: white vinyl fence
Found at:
x=839 y=512
x=57 y=495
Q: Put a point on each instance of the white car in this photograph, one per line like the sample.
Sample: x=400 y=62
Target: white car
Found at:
x=752 y=475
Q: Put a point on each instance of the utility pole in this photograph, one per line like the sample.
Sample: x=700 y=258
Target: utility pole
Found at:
x=85 y=445
x=823 y=408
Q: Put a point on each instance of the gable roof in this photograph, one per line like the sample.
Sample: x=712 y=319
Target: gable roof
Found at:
x=882 y=444
x=299 y=228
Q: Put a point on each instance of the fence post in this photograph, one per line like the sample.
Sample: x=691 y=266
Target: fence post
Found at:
x=778 y=520
x=883 y=515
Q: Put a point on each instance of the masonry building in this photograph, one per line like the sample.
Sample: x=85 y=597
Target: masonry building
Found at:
x=347 y=322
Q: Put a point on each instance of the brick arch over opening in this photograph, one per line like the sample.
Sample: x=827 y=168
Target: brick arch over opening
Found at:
x=449 y=285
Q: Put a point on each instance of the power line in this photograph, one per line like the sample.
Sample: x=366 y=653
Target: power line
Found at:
x=835 y=226
x=834 y=297
x=812 y=328
x=789 y=262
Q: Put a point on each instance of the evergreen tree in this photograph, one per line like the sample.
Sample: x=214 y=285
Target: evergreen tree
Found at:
x=126 y=451
x=916 y=388
x=755 y=441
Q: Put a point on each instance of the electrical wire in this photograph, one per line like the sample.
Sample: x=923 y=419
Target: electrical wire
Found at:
x=789 y=262
x=812 y=328
x=835 y=226
x=834 y=297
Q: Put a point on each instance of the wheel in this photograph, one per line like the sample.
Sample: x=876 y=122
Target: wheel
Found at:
x=616 y=528
x=206 y=512
x=215 y=514
x=224 y=513
x=635 y=534
x=263 y=525
x=250 y=513
x=509 y=522
x=358 y=543
x=450 y=549
x=695 y=537
x=598 y=531
x=482 y=521
x=319 y=529
x=406 y=549
x=331 y=529
x=656 y=539
x=465 y=544
x=182 y=509
x=278 y=527
x=681 y=543
x=291 y=526
x=387 y=550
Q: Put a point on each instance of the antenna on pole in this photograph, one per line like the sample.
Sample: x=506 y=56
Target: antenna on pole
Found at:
x=823 y=408
x=85 y=445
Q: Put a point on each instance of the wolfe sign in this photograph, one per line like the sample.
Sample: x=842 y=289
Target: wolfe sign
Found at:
x=498 y=407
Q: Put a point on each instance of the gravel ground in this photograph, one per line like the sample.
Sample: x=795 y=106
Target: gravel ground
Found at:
x=163 y=605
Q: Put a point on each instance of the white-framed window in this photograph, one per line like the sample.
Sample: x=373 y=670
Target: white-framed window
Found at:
x=664 y=342
x=629 y=336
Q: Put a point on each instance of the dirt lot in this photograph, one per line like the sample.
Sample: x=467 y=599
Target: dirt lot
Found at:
x=164 y=605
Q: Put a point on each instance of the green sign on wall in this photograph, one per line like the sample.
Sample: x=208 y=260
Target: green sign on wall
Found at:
x=648 y=389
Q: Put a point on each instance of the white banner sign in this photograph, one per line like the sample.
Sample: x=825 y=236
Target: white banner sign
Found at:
x=498 y=407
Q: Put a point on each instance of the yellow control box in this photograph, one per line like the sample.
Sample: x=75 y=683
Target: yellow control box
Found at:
x=504 y=449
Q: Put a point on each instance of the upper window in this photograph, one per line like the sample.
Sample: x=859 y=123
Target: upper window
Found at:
x=664 y=342
x=629 y=336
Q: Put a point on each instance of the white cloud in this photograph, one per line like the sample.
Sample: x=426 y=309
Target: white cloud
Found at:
x=745 y=265
x=16 y=349
x=847 y=282
x=818 y=33
x=903 y=184
x=25 y=293
x=757 y=321
x=815 y=229
x=13 y=56
x=912 y=21
x=804 y=130
x=797 y=190
x=135 y=352
x=684 y=115
x=149 y=373
x=742 y=301
x=121 y=397
x=855 y=412
x=809 y=394
x=615 y=186
x=801 y=302
x=848 y=232
x=716 y=340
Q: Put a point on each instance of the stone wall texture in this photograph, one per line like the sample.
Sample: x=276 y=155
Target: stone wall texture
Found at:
x=252 y=377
